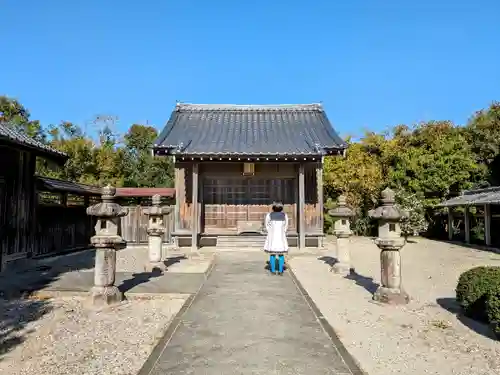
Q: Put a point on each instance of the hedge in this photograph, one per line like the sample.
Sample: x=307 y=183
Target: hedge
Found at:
x=478 y=293
x=493 y=311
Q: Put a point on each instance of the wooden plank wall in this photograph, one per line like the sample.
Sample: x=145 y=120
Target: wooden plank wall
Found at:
x=134 y=225
x=225 y=173
x=312 y=205
x=61 y=229
x=18 y=203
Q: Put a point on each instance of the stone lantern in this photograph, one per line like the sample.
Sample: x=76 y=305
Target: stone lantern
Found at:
x=107 y=240
x=156 y=229
x=342 y=230
x=390 y=243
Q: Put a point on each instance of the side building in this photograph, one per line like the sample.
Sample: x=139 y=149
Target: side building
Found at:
x=233 y=161
x=18 y=194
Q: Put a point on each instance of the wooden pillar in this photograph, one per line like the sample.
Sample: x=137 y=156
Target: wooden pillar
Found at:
x=179 y=177
x=319 y=190
x=467 y=224
x=487 y=224
x=450 y=223
x=301 y=216
x=194 y=210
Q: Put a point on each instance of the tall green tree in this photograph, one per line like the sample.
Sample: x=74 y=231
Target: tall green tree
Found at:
x=14 y=114
x=144 y=169
x=483 y=135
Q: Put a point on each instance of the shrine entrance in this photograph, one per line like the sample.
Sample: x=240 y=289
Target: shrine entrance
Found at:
x=230 y=202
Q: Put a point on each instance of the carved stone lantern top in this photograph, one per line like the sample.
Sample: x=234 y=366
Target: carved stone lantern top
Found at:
x=108 y=215
x=156 y=209
x=342 y=210
x=388 y=210
x=389 y=216
x=107 y=208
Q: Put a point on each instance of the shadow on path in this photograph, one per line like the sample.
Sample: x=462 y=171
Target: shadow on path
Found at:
x=451 y=305
x=144 y=277
x=18 y=282
x=15 y=315
x=173 y=260
x=363 y=281
x=328 y=260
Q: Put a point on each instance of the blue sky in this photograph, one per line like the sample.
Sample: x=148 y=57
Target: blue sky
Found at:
x=372 y=63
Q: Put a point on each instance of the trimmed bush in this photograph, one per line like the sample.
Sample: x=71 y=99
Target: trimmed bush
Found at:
x=493 y=310
x=473 y=288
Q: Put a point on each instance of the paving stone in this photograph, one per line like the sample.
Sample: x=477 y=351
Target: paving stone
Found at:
x=246 y=321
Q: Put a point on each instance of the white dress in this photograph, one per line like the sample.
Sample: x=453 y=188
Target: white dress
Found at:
x=276 y=224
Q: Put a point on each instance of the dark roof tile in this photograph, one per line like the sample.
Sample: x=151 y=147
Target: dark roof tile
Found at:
x=10 y=135
x=203 y=129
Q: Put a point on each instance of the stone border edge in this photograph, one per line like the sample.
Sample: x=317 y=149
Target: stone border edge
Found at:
x=352 y=364
x=154 y=356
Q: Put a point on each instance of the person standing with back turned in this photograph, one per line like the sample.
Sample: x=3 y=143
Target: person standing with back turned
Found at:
x=276 y=244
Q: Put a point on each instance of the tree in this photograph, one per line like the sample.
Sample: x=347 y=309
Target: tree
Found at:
x=483 y=135
x=142 y=168
x=80 y=167
x=15 y=115
x=359 y=176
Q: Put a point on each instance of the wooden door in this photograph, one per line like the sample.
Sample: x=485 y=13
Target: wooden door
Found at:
x=229 y=200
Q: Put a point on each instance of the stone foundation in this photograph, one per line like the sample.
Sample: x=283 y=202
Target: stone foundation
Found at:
x=391 y=296
x=106 y=295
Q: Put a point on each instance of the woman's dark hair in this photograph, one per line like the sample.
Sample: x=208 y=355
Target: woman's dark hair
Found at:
x=277 y=207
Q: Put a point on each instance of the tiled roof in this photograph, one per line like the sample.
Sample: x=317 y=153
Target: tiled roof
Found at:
x=144 y=192
x=53 y=184
x=205 y=129
x=474 y=198
x=12 y=136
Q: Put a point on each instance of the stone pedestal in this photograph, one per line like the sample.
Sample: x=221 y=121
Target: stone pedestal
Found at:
x=390 y=243
x=342 y=230
x=156 y=230
x=343 y=264
x=106 y=241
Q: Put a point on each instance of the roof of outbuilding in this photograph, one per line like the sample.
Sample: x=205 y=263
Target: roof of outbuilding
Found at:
x=226 y=129
x=475 y=197
x=56 y=185
x=13 y=136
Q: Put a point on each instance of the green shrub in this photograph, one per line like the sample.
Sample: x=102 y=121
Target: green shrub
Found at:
x=493 y=310
x=473 y=288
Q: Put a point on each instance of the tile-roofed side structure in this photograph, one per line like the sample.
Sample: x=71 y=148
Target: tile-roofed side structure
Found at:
x=486 y=199
x=205 y=129
x=11 y=136
x=53 y=184
x=475 y=197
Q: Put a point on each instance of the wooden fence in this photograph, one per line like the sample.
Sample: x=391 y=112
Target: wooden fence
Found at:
x=61 y=229
x=134 y=226
x=65 y=228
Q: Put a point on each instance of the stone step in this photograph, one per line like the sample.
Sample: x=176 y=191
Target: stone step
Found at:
x=241 y=242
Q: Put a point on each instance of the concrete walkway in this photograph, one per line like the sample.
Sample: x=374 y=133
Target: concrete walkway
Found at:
x=246 y=321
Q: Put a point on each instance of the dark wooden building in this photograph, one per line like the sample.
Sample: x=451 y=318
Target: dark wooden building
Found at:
x=18 y=197
x=233 y=161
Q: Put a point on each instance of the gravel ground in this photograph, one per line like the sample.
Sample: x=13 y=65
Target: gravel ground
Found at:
x=423 y=337
x=65 y=336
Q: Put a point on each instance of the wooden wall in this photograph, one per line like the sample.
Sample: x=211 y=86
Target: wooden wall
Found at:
x=224 y=197
x=134 y=226
x=62 y=228
x=17 y=204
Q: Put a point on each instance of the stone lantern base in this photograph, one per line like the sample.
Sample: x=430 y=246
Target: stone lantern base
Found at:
x=391 y=296
x=155 y=252
x=106 y=295
x=343 y=265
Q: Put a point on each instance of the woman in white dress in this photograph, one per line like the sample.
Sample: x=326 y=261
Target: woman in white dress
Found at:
x=276 y=244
